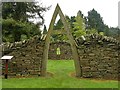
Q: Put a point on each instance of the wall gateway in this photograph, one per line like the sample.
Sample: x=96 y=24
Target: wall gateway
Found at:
x=71 y=40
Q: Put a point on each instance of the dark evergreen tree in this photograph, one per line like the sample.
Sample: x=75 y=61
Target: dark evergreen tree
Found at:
x=23 y=11
x=106 y=30
x=16 y=21
x=72 y=20
x=94 y=20
x=58 y=25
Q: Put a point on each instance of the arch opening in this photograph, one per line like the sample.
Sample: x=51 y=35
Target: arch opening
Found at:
x=66 y=31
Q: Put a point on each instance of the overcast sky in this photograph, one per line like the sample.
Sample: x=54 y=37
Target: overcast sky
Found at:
x=108 y=9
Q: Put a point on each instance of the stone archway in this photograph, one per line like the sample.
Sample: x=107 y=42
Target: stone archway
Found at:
x=71 y=41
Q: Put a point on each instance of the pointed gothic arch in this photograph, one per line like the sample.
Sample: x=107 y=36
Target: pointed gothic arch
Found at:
x=71 y=41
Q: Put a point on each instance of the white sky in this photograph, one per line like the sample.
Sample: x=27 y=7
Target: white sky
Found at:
x=108 y=9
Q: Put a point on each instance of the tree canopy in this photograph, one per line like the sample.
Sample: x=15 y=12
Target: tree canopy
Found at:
x=79 y=25
x=23 y=11
x=17 y=24
x=16 y=20
x=95 y=21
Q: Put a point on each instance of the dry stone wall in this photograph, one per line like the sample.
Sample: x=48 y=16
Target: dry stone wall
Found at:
x=99 y=57
x=27 y=57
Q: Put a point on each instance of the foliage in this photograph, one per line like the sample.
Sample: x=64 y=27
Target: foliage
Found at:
x=106 y=31
x=114 y=31
x=16 y=20
x=72 y=20
x=95 y=21
x=13 y=30
x=82 y=25
x=79 y=26
x=101 y=33
x=91 y=31
x=23 y=11
x=58 y=25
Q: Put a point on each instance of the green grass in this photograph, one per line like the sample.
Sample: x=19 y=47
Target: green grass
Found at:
x=61 y=79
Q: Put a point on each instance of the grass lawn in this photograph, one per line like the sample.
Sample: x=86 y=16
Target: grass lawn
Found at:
x=61 y=79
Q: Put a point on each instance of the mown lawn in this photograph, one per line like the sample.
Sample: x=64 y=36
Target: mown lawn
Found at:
x=61 y=79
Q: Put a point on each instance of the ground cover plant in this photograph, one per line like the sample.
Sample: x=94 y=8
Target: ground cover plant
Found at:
x=60 y=77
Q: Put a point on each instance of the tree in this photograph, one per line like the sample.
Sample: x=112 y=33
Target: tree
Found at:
x=16 y=24
x=58 y=25
x=91 y=31
x=114 y=32
x=13 y=30
x=95 y=21
x=106 y=30
x=79 y=26
x=23 y=11
x=72 y=20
